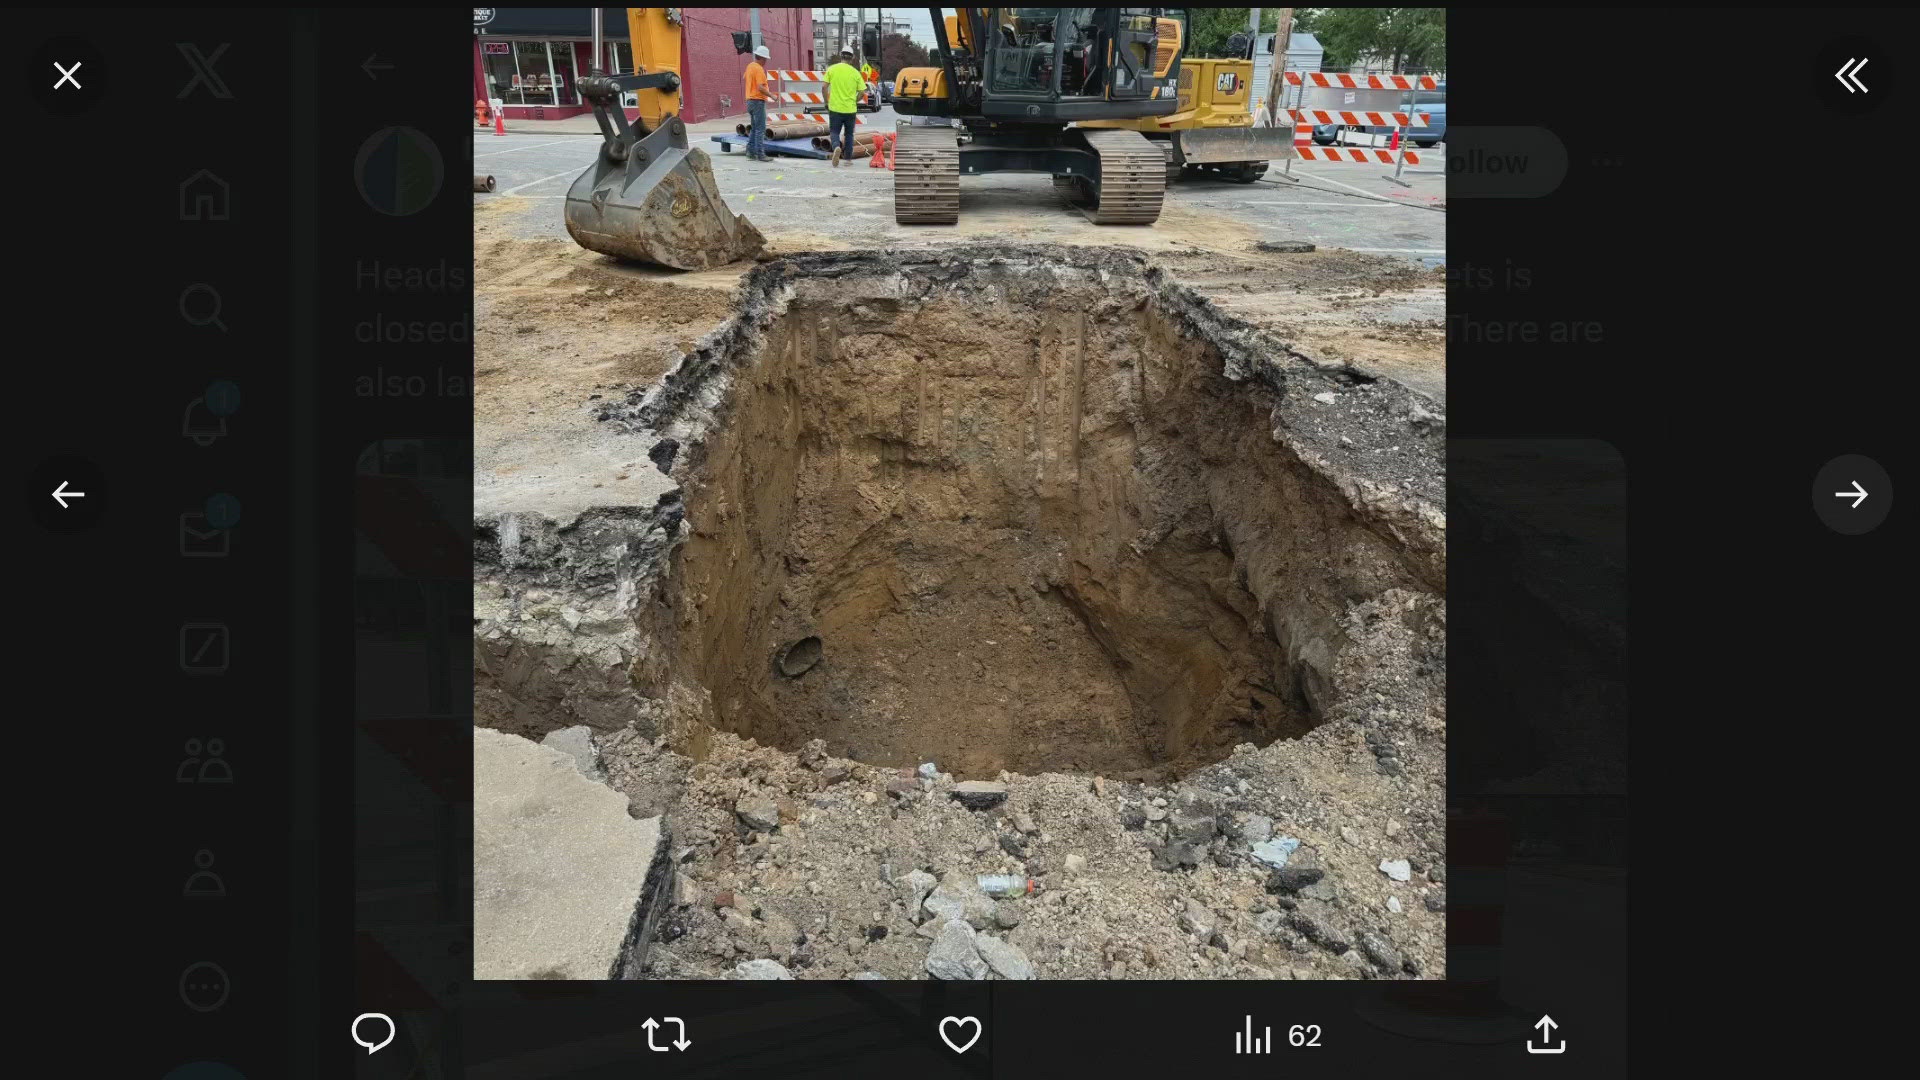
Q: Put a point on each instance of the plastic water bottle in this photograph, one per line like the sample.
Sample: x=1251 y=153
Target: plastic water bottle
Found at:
x=1006 y=886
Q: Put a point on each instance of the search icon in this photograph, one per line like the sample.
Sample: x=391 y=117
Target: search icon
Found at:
x=372 y=1047
x=212 y=316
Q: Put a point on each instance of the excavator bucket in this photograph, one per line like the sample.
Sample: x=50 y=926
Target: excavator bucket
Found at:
x=653 y=200
x=1211 y=145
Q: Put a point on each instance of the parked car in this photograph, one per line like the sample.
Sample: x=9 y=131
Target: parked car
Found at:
x=1431 y=102
x=1434 y=104
x=886 y=91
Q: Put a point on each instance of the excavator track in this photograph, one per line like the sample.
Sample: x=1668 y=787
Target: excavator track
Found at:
x=1133 y=178
x=1174 y=165
x=926 y=176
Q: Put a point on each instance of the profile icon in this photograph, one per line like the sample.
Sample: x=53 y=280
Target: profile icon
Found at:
x=204 y=883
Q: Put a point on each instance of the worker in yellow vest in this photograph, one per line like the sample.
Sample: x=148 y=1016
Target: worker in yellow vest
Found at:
x=843 y=103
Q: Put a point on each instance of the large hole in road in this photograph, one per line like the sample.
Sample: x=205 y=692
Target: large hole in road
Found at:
x=1019 y=521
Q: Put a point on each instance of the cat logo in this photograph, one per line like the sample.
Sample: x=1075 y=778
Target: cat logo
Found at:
x=1227 y=83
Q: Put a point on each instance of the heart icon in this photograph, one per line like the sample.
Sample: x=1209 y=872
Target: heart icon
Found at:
x=959 y=1022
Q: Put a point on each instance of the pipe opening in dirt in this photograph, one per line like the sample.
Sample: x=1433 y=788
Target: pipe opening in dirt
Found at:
x=1023 y=521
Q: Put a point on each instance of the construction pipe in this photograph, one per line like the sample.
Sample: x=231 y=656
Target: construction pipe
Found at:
x=482 y=183
x=796 y=129
x=793 y=129
x=861 y=141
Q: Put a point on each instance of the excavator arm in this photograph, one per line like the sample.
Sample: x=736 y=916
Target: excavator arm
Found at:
x=649 y=196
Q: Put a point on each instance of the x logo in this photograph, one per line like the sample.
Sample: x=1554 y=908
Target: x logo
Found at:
x=203 y=73
x=66 y=75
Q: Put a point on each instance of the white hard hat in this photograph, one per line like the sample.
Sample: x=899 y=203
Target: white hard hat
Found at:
x=763 y=51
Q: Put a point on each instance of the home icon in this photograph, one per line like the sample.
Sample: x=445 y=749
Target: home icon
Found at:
x=203 y=197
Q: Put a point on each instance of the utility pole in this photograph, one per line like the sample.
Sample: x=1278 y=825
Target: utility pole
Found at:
x=1253 y=31
x=860 y=34
x=840 y=31
x=1282 y=33
x=753 y=25
x=599 y=57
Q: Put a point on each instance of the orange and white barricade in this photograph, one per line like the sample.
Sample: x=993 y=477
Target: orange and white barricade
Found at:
x=1305 y=120
x=800 y=88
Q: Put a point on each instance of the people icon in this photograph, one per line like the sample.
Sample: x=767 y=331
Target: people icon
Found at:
x=204 y=882
x=213 y=770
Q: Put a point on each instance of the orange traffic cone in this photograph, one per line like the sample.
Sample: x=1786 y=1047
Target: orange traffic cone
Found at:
x=500 y=121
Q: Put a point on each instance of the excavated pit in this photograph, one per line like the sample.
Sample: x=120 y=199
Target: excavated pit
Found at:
x=1034 y=511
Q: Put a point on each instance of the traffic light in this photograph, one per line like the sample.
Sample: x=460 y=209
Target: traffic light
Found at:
x=870 y=44
x=742 y=41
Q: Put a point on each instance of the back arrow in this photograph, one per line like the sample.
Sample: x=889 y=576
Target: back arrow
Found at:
x=61 y=494
x=1858 y=494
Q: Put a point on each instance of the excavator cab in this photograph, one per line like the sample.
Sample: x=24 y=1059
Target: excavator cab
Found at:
x=649 y=196
x=1016 y=80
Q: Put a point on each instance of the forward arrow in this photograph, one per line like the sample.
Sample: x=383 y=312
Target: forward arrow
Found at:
x=1858 y=494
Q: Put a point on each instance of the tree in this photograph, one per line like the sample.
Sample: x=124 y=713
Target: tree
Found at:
x=898 y=51
x=1209 y=28
x=1402 y=37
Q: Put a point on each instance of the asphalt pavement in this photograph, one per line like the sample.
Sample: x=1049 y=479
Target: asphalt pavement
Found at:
x=1330 y=204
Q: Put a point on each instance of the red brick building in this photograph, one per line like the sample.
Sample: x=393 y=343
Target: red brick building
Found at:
x=531 y=58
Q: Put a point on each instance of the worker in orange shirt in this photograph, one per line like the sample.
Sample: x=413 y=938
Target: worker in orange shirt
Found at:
x=757 y=105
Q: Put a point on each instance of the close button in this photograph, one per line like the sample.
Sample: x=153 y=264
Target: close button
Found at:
x=1852 y=494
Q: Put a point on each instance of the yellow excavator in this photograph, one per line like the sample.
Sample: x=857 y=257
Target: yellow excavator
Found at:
x=1104 y=99
x=1010 y=85
x=649 y=196
x=1212 y=129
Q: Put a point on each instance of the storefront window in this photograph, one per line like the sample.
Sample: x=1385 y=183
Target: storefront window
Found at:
x=534 y=76
x=496 y=58
x=544 y=72
x=565 y=90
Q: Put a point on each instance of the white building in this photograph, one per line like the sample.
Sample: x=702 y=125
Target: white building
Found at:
x=1304 y=53
x=829 y=35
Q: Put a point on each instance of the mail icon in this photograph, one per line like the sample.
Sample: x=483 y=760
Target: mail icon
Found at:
x=199 y=540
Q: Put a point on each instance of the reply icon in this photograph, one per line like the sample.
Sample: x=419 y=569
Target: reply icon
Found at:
x=379 y=1018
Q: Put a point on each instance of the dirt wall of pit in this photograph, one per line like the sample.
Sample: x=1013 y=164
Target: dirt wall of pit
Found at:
x=1062 y=441
x=1181 y=514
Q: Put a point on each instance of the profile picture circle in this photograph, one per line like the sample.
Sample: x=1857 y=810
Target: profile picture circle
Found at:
x=399 y=171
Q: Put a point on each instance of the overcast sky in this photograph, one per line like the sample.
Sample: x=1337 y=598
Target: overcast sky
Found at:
x=922 y=25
